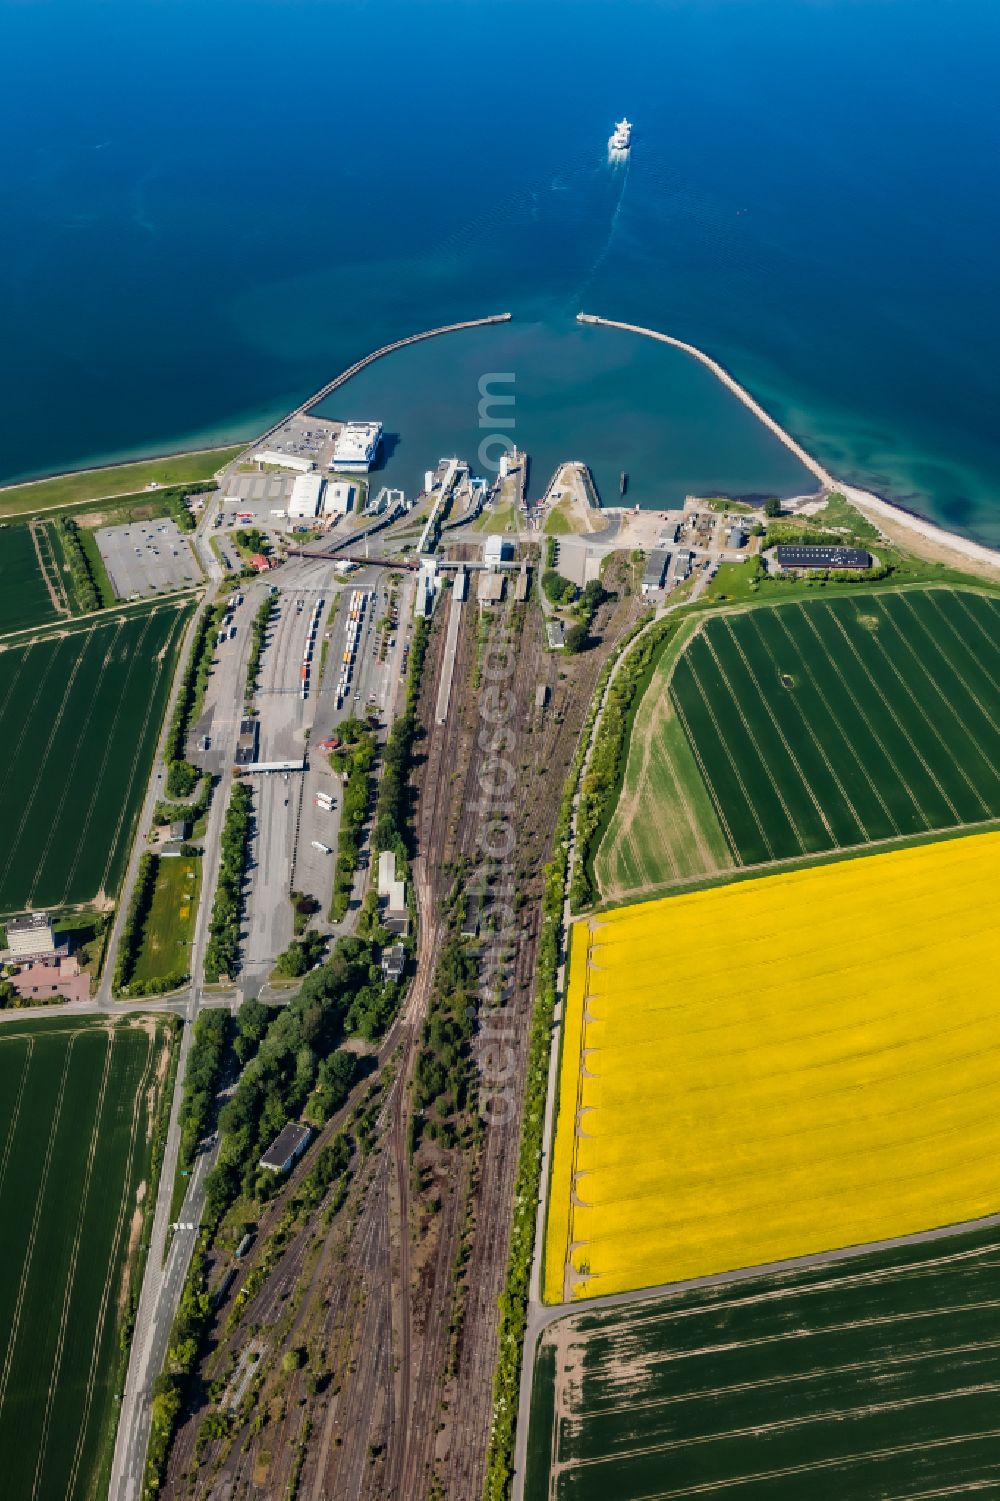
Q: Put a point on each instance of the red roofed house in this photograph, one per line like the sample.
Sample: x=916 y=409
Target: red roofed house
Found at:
x=259 y=562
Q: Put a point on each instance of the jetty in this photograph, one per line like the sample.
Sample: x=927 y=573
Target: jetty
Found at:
x=369 y=359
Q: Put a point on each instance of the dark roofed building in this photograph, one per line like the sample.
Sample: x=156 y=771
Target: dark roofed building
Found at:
x=823 y=557
x=656 y=570
x=246 y=746
x=290 y=1142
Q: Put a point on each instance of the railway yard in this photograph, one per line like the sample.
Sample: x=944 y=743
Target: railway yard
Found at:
x=369 y=1321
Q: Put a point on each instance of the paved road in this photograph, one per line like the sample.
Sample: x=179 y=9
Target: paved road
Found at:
x=165 y=1270
x=163 y=1279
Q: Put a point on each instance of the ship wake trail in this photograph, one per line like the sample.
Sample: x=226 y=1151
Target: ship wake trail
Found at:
x=602 y=254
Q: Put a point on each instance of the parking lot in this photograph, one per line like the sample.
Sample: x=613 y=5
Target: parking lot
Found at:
x=305 y=437
x=147 y=557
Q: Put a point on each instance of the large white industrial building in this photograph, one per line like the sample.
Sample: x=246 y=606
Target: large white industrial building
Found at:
x=356 y=446
x=305 y=497
x=285 y=460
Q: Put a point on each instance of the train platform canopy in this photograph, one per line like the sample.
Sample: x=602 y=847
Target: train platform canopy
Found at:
x=270 y=766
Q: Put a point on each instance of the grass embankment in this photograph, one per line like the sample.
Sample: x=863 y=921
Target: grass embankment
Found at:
x=113 y=481
x=499 y=518
x=603 y=780
x=559 y=521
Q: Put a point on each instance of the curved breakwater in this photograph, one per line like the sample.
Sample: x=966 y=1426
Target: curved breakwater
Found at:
x=874 y=506
x=369 y=359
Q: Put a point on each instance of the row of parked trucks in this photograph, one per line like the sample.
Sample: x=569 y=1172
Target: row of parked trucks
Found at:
x=355 y=620
x=309 y=645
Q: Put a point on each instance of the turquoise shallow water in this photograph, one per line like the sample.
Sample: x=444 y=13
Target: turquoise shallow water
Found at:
x=213 y=205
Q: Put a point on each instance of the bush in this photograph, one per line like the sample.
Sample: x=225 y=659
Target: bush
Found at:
x=182 y=778
x=301 y=955
x=558 y=590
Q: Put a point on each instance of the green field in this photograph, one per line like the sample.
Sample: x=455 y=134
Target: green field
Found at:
x=75 y=1146
x=869 y=1378
x=117 y=479
x=80 y=711
x=167 y=930
x=24 y=599
x=812 y=726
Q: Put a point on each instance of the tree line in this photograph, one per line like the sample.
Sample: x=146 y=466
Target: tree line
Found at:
x=222 y=948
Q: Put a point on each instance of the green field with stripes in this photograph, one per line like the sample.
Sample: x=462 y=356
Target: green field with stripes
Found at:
x=24 y=598
x=811 y=727
x=76 y=1108
x=870 y=1378
x=80 y=711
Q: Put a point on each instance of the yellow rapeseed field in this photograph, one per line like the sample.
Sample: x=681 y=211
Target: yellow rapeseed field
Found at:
x=779 y=1066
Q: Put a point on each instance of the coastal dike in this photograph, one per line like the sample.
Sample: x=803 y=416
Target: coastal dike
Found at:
x=369 y=359
x=932 y=541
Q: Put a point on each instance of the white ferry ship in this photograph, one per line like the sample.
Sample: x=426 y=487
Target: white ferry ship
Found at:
x=356 y=446
x=621 y=137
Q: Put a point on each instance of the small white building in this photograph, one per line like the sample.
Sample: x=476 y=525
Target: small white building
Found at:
x=284 y=460
x=391 y=891
x=305 y=497
x=339 y=498
x=497 y=549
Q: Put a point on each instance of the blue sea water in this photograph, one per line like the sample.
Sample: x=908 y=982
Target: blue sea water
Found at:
x=210 y=206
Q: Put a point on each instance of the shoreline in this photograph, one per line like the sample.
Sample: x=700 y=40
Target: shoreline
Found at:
x=899 y=523
x=935 y=539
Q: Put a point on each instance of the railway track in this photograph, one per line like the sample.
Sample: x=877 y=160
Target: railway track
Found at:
x=373 y=1305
